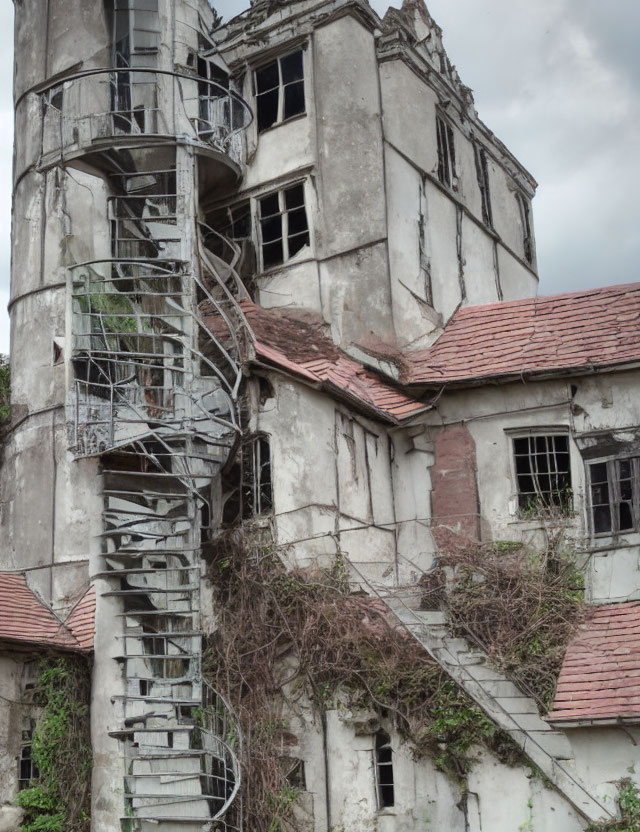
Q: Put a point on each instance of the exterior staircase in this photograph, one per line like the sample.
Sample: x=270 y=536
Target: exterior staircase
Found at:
x=512 y=710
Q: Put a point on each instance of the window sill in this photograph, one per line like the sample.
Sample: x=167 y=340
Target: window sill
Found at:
x=275 y=126
x=274 y=270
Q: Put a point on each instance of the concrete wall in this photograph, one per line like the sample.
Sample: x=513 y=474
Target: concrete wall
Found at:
x=397 y=251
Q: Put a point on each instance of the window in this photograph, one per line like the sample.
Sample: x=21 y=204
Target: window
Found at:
x=384 y=770
x=543 y=472
x=446 y=154
x=280 y=90
x=246 y=486
x=525 y=220
x=27 y=771
x=257 y=492
x=482 y=172
x=283 y=225
x=615 y=496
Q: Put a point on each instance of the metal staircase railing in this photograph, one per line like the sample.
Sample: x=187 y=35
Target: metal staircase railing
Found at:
x=154 y=397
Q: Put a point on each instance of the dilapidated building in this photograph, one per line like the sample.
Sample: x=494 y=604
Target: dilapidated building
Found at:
x=275 y=279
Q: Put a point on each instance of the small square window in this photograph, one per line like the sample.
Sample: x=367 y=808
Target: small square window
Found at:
x=280 y=90
x=543 y=473
x=284 y=228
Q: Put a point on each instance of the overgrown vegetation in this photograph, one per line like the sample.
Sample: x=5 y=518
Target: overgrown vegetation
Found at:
x=304 y=634
x=521 y=607
x=5 y=388
x=59 y=800
x=629 y=804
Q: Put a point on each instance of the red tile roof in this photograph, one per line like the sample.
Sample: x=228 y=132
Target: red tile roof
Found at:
x=600 y=676
x=26 y=619
x=82 y=619
x=301 y=347
x=592 y=328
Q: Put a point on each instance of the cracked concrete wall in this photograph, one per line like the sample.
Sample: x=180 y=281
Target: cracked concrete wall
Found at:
x=600 y=414
x=393 y=252
x=335 y=493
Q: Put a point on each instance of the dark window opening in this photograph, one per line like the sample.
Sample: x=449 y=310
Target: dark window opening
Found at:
x=280 y=90
x=294 y=773
x=284 y=229
x=246 y=487
x=543 y=473
x=525 y=219
x=615 y=495
x=256 y=486
x=384 y=770
x=446 y=153
x=482 y=172
x=27 y=770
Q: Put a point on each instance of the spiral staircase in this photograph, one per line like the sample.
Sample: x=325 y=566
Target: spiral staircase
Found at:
x=154 y=397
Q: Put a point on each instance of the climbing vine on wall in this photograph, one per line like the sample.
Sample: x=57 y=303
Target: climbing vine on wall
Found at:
x=5 y=388
x=629 y=804
x=59 y=800
x=300 y=636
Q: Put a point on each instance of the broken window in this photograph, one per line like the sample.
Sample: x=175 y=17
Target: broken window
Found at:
x=27 y=770
x=615 y=495
x=284 y=229
x=543 y=472
x=482 y=172
x=524 y=206
x=279 y=90
x=246 y=486
x=384 y=770
x=446 y=153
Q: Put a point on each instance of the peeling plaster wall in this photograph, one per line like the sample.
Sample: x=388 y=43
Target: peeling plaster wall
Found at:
x=396 y=251
x=592 y=410
x=333 y=493
x=11 y=681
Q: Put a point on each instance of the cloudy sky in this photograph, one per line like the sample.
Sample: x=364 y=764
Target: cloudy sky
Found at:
x=558 y=81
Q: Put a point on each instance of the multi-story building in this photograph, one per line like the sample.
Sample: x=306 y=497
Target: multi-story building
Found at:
x=278 y=270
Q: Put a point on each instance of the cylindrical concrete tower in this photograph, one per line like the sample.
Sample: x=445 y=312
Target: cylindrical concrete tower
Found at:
x=124 y=402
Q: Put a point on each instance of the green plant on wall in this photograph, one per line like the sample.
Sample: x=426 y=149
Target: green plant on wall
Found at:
x=629 y=805
x=60 y=798
x=5 y=388
x=336 y=649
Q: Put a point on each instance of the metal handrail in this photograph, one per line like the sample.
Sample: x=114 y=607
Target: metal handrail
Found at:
x=229 y=115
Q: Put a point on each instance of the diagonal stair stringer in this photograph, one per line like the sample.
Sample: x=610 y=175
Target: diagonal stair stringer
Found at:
x=502 y=701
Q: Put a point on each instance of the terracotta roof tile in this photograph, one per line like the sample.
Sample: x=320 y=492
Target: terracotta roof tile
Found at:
x=596 y=327
x=81 y=621
x=25 y=618
x=301 y=347
x=600 y=676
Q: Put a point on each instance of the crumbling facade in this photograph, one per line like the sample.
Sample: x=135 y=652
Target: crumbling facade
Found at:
x=278 y=270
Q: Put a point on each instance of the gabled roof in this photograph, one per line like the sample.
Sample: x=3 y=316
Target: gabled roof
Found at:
x=25 y=619
x=600 y=676
x=569 y=332
x=301 y=348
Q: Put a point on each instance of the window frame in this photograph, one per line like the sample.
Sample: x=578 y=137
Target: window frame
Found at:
x=566 y=508
x=482 y=173
x=524 y=208
x=282 y=85
x=382 y=742
x=283 y=213
x=614 y=494
x=446 y=147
